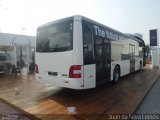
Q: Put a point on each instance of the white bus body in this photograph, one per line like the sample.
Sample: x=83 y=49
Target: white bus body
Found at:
x=79 y=53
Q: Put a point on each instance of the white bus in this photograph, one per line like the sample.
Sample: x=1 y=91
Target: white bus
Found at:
x=79 y=53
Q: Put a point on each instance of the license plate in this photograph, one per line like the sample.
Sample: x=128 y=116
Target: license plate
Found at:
x=52 y=73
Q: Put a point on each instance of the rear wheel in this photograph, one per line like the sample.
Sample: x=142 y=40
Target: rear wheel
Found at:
x=116 y=74
x=140 y=65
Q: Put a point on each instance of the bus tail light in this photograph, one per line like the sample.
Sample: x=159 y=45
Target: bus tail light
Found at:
x=36 y=68
x=75 y=71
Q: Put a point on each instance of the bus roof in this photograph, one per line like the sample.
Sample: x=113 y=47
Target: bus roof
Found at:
x=80 y=18
x=131 y=36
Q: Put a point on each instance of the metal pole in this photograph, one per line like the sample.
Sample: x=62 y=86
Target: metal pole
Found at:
x=15 y=56
x=28 y=59
x=21 y=61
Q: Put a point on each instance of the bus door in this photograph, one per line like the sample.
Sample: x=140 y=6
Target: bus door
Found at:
x=102 y=59
x=132 y=57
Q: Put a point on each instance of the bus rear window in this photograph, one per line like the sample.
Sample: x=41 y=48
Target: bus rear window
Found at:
x=55 y=38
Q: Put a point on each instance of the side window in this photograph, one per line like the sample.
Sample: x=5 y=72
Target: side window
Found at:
x=87 y=44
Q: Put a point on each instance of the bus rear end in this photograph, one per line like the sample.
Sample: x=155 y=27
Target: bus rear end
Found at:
x=59 y=54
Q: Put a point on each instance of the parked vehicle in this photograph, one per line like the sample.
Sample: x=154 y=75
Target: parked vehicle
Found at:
x=80 y=53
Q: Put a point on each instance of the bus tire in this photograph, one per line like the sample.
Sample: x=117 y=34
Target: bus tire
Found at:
x=140 y=65
x=116 y=74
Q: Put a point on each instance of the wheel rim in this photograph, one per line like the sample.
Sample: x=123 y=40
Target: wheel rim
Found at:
x=140 y=66
x=116 y=75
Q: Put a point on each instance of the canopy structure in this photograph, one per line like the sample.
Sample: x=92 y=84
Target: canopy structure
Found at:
x=7 y=39
x=20 y=47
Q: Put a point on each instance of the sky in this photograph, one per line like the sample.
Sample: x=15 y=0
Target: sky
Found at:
x=127 y=16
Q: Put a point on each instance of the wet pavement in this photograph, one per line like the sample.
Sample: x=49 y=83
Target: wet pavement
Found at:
x=46 y=102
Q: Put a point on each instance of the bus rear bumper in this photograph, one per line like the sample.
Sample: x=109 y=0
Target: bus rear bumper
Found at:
x=61 y=81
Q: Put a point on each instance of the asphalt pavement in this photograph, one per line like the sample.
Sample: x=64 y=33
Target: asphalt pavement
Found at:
x=151 y=102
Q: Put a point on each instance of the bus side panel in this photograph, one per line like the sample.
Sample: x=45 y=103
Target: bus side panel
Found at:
x=89 y=76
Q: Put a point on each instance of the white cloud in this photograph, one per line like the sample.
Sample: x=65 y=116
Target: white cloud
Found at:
x=153 y=26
